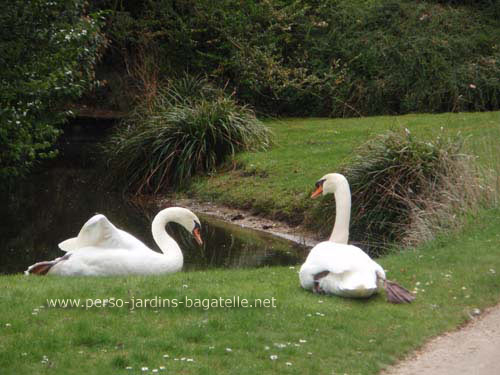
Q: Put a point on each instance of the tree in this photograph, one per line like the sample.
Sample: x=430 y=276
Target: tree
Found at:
x=48 y=51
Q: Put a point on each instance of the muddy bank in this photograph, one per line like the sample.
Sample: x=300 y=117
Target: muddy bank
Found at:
x=244 y=219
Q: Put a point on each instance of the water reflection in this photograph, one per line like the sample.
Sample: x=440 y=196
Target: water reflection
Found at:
x=53 y=205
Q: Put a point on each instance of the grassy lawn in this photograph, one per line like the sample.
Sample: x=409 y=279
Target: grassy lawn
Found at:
x=304 y=333
x=307 y=333
x=277 y=183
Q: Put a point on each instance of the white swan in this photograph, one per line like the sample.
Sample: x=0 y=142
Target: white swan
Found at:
x=101 y=249
x=334 y=267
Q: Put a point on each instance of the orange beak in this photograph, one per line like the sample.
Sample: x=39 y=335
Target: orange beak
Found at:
x=197 y=236
x=317 y=192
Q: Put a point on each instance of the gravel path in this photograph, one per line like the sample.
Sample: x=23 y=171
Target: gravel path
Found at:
x=472 y=350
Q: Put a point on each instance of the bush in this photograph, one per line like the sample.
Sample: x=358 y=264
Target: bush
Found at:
x=48 y=54
x=405 y=190
x=325 y=58
x=164 y=143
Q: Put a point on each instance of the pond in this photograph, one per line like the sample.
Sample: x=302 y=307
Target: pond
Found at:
x=56 y=201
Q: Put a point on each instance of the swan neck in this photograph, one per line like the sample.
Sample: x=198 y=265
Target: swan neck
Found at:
x=340 y=233
x=167 y=244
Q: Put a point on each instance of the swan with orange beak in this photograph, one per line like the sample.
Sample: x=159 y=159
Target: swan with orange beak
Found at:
x=334 y=267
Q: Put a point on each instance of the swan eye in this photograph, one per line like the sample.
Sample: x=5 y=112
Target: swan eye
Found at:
x=319 y=183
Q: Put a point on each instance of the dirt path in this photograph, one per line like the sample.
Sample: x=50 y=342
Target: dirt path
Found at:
x=472 y=350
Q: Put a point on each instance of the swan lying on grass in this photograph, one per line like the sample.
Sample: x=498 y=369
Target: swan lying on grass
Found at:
x=101 y=249
x=334 y=267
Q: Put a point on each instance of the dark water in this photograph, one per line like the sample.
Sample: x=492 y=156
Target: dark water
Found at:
x=54 y=204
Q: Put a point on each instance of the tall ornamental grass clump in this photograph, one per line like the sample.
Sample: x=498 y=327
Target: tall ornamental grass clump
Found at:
x=405 y=190
x=188 y=128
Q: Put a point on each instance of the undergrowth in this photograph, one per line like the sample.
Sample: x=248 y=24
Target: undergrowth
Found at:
x=405 y=190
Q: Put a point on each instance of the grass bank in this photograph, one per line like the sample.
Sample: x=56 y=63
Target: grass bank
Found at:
x=307 y=333
x=277 y=183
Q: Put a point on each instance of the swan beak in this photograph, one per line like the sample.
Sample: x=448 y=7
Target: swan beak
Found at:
x=317 y=192
x=197 y=236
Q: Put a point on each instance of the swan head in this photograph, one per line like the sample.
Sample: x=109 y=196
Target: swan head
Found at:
x=192 y=224
x=186 y=218
x=328 y=184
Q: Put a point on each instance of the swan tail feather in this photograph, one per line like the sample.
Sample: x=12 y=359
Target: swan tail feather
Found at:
x=42 y=268
x=396 y=293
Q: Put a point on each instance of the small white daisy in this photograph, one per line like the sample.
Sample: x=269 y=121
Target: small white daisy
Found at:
x=273 y=357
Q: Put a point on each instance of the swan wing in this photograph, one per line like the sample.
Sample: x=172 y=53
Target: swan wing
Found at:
x=99 y=232
x=338 y=258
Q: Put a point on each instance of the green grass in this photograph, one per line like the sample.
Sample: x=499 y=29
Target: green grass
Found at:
x=454 y=274
x=277 y=183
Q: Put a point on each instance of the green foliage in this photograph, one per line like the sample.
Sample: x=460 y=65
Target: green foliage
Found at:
x=277 y=184
x=165 y=142
x=328 y=58
x=48 y=53
x=405 y=189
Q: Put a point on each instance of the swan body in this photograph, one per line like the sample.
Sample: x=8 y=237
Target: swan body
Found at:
x=333 y=266
x=351 y=272
x=101 y=249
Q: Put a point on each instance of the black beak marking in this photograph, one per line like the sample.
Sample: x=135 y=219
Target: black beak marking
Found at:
x=319 y=183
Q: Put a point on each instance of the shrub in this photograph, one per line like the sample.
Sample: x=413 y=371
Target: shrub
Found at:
x=178 y=136
x=48 y=54
x=325 y=58
x=404 y=190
